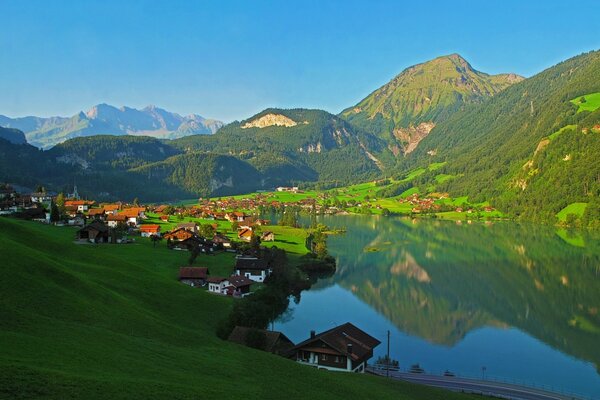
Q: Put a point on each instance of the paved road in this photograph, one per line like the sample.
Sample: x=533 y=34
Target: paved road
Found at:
x=491 y=388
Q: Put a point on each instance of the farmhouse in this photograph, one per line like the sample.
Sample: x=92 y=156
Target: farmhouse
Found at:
x=82 y=205
x=189 y=226
x=267 y=236
x=115 y=220
x=193 y=276
x=150 y=230
x=96 y=232
x=245 y=234
x=271 y=341
x=217 y=284
x=255 y=269
x=239 y=286
x=343 y=348
x=96 y=213
x=222 y=240
x=178 y=235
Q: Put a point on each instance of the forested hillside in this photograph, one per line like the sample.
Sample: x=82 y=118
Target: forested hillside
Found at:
x=531 y=149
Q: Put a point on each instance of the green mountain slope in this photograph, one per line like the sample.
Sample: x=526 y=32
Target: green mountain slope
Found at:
x=528 y=149
x=298 y=145
x=99 y=322
x=405 y=110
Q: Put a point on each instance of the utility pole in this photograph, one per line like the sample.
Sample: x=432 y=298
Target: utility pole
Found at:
x=388 y=354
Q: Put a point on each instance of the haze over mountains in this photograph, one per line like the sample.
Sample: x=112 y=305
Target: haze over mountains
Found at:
x=104 y=119
x=500 y=138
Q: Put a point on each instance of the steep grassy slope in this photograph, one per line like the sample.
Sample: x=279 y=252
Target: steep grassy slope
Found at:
x=97 y=322
x=500 y=150
x=404 y=110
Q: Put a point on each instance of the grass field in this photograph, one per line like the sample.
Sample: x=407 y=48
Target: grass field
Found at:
x=592 y=102
x=111 y=321
x=561 y=131
x=573 y=208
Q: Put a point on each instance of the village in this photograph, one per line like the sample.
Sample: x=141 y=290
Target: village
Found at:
x=202 y=231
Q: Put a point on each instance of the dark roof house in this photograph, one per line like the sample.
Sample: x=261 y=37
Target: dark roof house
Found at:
x=270 y=341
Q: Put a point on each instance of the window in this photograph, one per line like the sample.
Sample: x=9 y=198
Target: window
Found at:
x=324 y=357
x=337 y=359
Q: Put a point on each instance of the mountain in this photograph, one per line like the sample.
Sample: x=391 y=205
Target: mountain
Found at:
x=406 y=109
x=533 y=149
x=109 y=120
x=12 y=135
x=297 y=145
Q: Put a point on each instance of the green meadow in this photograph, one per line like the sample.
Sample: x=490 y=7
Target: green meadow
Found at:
x=112 y=321
x=591 y=102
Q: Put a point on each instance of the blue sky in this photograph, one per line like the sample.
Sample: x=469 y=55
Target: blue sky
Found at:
x=231 y=59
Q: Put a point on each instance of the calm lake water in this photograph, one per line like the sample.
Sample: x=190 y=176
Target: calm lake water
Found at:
x=521 y=300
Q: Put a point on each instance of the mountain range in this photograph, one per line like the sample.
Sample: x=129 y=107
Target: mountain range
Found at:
x=529 y=146
x=108 y=120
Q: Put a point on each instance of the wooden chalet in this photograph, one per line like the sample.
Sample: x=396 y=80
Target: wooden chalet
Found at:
x=193 y=276
x=343 y=348
x=189 y=226
x=222 y=240
x=274 y=342
x=95 y=232
x=116 y=220
x=178 y=235
x=267 y=236
x=148 y=230
x=253 y=268
x=245 y=234
x=239 y=286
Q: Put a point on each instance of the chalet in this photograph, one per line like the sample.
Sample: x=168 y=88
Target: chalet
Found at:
x=222 y=240
x=112 y=208
x=217 y=284
x=245 y=234
x=255 y=269
x=239 y=286
x=189 y=226
x=114 y=220
x=267 y=236
x=235 y=216
x=160 y=209
x=274 y=342
x=96 y=232
x=132 y=215
x=178 y=235
x=96 y=213
x=193 y=276
x=82 y=205
x=164 y=218
x=343 y=348
x=148 y=230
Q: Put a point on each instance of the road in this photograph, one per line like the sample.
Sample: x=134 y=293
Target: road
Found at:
x=490 y=388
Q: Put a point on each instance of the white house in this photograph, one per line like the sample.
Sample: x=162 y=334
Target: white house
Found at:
x=255 y=269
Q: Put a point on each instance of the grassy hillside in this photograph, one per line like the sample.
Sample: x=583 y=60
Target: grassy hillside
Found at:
x=529 y=149
x=426 y=93
x=85 y=321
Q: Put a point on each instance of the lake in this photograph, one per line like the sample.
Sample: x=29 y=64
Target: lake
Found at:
x=517 y=302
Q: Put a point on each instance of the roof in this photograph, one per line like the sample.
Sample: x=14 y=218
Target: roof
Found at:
x=215 y=279
x=78 y=202
x=274 y=341
x=118 y=217
x=251 y=263
x=96 y=225
x=239 y=281
x=193 y=272
x=187 y=225
x=150 y=228
x=96 y=211
x=245 y=232
x=340 y=337
x=111 y=207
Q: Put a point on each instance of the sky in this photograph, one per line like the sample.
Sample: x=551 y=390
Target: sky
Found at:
x=231 y=59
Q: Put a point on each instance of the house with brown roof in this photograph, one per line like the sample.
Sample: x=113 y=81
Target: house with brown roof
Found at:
x=114 y=220
x=147 y=230
x=343 y=348
x=193 y=276
x=236 y=286
x=270 y=341
x=96 y=213
x=190 y=226
x=245 y=234
x=96 y=232
x=178 y=235
x=253 y=268
x=267 y=236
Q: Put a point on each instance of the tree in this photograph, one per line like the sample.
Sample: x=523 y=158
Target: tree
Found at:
x=60 y=202
x=206 y=231
x=136 y=202
x=235 y=226
x=254 y=241
x=54 y=213
x=155 y=239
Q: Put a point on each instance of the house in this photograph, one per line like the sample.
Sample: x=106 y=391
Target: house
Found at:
x=96 y=232
x=293 y=189
x=222 y=240
x=114 y=220
x=245 y=234
x=112 y=208
x=239 y=286
x=189 y=226
x=178 y=235
x=235 y=216
x=82 y=205
x=188 y=244
x=217 y=284
x=164 y=218
x=193 y=276
x=267 y=236
x=96 y=213
x=133 y=216
x=148 y=230
x=271 y=341
x=343 y=348
x=255 y=269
